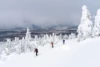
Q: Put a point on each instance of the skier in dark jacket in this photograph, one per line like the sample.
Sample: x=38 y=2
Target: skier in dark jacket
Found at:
x=36 y=51
x=63 y=41
x=52 y=44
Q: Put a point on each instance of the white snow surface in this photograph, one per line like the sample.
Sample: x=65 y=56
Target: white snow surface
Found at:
x=72 y=54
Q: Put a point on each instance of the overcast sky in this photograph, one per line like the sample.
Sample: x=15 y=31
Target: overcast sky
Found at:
x=43 y=12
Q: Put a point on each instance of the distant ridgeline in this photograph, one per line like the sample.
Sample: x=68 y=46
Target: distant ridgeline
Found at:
x=4 y=34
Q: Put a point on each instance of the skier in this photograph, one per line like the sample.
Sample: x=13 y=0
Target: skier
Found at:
x=52 y=44
x=63 y=41
x=36 y=51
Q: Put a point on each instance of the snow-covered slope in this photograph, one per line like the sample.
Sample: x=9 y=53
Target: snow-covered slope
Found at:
x=72 y=54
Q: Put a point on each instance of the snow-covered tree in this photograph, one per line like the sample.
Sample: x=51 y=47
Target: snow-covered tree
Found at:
x=8 y=46
x=36 y=38
x=47 y=36
x=21 y=46
x=65 y=36
x=25 y=44
x=85 y=27
x=96 y=28
x=28 y=34
x=60 y=36
x=28 y=41
x=72 y=36
x=16 y=40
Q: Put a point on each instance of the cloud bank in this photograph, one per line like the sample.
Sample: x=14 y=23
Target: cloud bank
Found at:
x=22 y=13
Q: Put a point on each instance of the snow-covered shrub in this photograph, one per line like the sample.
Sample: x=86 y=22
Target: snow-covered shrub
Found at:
x=51 y=38
x=65 y=37
x=20 y=45
x=28 y=43
x=54 y=38
x=45 y=39
x=60 y=37
x=36 y=38
x=2 y=47
x=85 y=27
x=47 y=36
x=8 y=46
x=39 y=41
x=72 y=36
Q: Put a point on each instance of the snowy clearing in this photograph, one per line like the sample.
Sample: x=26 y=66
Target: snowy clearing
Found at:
x=72 y=54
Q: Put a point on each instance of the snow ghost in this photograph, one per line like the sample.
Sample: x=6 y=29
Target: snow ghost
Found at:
x=96 y=28
x=85 y=27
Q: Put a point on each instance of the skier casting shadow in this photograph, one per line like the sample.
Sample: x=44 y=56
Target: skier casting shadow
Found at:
x=36 y=51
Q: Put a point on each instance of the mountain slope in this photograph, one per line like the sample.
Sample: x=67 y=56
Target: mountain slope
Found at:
x=72 y=54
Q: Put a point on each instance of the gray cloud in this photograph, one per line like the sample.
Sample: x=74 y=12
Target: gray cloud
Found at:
x=43 y=12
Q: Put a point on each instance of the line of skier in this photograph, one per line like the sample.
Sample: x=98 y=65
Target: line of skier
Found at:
x=52 y=45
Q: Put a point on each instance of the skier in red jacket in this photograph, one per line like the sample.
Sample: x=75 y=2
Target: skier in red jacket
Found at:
x=36 y=51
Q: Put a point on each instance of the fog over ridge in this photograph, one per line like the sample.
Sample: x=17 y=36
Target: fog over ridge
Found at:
x=24 y=13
